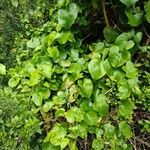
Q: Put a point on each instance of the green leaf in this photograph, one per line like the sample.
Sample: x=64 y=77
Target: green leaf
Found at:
x=97 y=47
x=138 y=37
x=110 y=34
x=100 y=105
x=56 y=136
x=33 y=43
x=124 y=37
x=147 y=10
x=35 y=78
x=129 y=3
x=43 y=92
x=117 y=58
x=131 y=71
x=125 y=129
x=87 y=87
x=2 y=69
x=73 y=146
x=74 y=114
x=65 y=63
x=97 y=144
x=37 y=99
x=13 y=82
x=84 y=106
x=49 y=146
x=124 y=106
x=63 y=37
x=61 y=3
x=80 y=130
x=108 y=68
x=53 y=52
x=60 y=99
x=109 y=130
x=124 y=90
x=74 y=68
x=47 y=106
x=134 y=19
x=45 y=69
x=74 y=54
x=96 y=69
x=60 y=113
x=14 y=3
x=67 y=17
x=64 y=143
x=51 y=37
x=129 y=44
x=91 y=117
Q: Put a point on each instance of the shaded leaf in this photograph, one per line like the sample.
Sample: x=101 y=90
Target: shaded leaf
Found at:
x=147 y=9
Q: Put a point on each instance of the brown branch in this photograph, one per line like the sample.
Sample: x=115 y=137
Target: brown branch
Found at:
x=105 y=13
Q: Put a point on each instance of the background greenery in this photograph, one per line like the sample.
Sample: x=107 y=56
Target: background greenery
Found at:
x=74 y=74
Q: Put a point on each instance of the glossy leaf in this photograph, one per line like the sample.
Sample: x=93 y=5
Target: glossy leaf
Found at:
x=100 y=105
x=96 y=69
x=53 y=52
x=13 y=82
x=117 y=58
x=67 y=17
x=35 y=78
x=134 y=19
x=87 y=87
x=45 y=69
x=37 y=99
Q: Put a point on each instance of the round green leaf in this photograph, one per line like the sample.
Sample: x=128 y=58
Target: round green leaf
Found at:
x=96 y=69
x=2 y=69
x=100 y=105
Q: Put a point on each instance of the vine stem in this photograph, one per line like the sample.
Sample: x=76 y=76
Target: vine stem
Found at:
x=105 y=13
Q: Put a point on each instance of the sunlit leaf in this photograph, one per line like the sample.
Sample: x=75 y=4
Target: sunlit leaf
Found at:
x=125 y=129
x=100 y=105
x=2 y=69
x=96 y=69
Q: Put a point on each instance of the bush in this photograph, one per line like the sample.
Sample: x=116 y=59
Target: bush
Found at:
x=81 y=79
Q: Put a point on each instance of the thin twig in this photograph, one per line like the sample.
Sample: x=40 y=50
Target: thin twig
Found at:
x=109 y=90
x=105 y=13
x=143 y=142
x=146 y=32
x=133 y=144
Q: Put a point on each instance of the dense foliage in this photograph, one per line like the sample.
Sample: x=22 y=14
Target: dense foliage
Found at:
x=77 y=76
